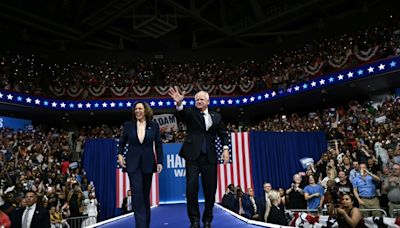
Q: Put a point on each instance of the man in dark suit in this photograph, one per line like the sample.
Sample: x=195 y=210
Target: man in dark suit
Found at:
x=265 y=203
x=127 y=203
x=198 y=150
x=144 y=156
x=33 y=215
x=251 y=205
x=228 y=200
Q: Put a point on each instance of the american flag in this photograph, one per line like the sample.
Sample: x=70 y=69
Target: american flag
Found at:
x=123 y=185
x=238 y=171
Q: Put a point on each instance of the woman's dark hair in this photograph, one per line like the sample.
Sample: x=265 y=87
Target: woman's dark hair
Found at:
x=148 y=112
x=239 y=192
x=353 y=199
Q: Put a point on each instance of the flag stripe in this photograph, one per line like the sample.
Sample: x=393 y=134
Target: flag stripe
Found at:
x=238 y=172
x=118 y=188
x=123 y=185
x=241 y=162
x=234 y=158
x=248 y=160
x=228 y=168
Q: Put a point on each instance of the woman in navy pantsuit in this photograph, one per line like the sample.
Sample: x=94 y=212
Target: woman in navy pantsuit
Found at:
x=144 y=156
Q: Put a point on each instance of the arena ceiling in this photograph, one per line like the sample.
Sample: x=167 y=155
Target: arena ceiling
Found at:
x=156 y=25
x=173 y=24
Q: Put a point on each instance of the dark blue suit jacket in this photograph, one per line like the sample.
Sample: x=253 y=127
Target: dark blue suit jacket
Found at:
x=228 y=201
x=141 y=155
x=40 y=219
x=197 y=133
x=248 y=206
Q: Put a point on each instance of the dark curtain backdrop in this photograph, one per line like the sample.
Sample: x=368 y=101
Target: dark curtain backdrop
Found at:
x=275 y=155
x=99 y=162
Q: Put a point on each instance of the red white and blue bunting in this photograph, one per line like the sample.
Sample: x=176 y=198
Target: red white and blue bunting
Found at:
x=313 y=70
x=59 y=92
x=207 y=88
x=339 y=61
x=366 y=55
x=141 y=90
x=119 y=91
x=227 y=89
x=161 y=90
x=74 y=91
x=97 y=91
x=187 y=88
x=371 y=69
x=305 y=220
x=247 y=87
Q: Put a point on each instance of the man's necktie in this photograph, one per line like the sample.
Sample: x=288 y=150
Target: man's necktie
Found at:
x=25 y=218
x=204 y=144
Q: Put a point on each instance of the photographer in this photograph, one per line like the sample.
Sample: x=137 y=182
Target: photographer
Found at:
x=346 y=214
x=295 y=194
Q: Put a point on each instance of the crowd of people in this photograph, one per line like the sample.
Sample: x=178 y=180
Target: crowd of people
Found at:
x=362 y=164
x=361 y=168
x=45 y=165
x=33 y=75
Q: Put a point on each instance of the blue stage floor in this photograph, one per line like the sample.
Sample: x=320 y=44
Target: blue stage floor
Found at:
x=175 y=216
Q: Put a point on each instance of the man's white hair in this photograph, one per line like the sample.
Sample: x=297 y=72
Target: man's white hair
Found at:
x=202 y=92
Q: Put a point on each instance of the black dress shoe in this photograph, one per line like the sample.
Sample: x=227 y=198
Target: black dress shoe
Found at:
x=195 y=225
x=207 y=224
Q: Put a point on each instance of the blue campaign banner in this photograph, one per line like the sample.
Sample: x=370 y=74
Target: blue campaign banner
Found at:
x=172 y=179
x=14 y=123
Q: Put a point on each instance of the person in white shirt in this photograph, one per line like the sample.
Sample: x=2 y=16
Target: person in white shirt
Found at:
x=265 y=203
x=91 y=210
x=33 y=215
x=127 y=203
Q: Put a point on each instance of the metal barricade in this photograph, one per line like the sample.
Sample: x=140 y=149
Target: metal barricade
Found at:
x=325 y=211
x=80 y=222
x=311 y=211
x=371 y=212
x=396 y=213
